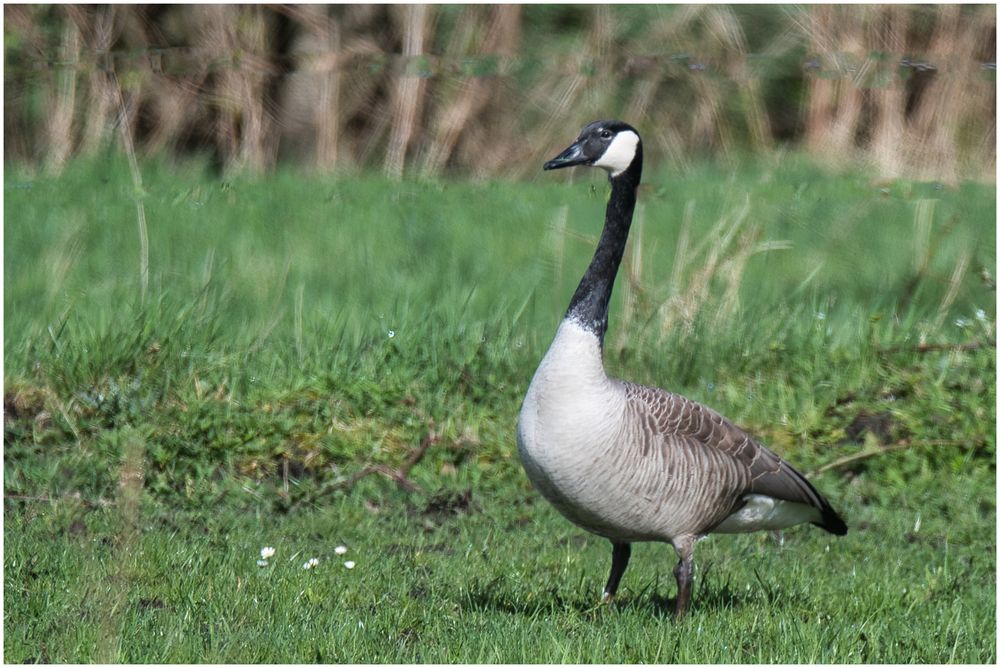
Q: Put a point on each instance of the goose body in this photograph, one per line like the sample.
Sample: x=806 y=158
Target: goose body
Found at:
x=635 y=463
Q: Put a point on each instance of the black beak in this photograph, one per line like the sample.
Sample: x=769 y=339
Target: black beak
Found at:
x=568 y=158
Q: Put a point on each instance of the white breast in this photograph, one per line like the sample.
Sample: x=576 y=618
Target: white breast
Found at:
x=567 y=403
x=570 y=422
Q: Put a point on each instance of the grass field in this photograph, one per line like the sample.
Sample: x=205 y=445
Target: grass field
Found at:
x=297 y=332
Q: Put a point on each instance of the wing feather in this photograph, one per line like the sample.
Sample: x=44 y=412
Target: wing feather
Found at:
x=681 y=422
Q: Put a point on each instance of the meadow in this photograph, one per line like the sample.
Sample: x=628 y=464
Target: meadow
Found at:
x=307 y=362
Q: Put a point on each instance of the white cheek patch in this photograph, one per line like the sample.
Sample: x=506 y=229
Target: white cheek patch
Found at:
x=620 y=153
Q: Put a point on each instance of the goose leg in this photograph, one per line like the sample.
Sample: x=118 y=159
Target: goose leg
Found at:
x=684 y=572
x=620 y=553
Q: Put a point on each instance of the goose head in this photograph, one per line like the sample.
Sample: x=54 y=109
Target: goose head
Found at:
x=611 y=145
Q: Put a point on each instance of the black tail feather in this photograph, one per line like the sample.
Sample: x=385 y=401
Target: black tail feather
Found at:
x=832 y=522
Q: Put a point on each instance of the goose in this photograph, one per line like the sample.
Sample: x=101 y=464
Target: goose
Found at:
x=634 y=463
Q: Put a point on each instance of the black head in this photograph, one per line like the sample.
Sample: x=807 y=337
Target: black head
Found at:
x=612 y=145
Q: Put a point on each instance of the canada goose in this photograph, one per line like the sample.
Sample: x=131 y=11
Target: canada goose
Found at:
x=634 y=463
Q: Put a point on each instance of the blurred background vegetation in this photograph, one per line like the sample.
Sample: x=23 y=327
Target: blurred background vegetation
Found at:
x=352 y=265
x=489 y=90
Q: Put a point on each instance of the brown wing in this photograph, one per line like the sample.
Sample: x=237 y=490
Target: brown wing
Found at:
x=679 y=419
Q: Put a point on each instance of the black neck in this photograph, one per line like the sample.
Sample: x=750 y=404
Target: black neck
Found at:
x=589 y=306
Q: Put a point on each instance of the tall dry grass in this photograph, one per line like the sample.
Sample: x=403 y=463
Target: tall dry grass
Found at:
x=903 y=87
x=908 y=89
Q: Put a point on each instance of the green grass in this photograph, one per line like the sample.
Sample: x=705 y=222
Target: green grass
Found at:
x=508 y=582
x=297 y=329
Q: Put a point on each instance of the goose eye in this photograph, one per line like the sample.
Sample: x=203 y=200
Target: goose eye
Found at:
x=605 y=134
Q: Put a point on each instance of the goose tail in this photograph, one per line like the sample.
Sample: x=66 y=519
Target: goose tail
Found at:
x=832 y=522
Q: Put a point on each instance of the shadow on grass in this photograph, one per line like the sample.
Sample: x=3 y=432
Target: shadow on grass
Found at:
x=711 y=597
x=709 y=601
x=496 y=596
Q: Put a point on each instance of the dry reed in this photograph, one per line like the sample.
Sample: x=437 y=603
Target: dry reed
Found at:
x=908 y=89
x=408 y=91
x=138 y=193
